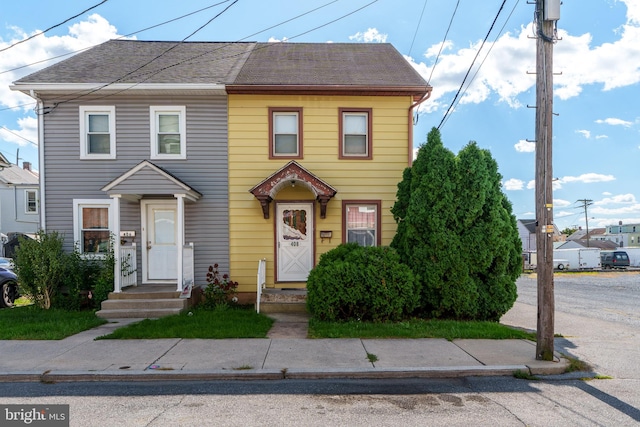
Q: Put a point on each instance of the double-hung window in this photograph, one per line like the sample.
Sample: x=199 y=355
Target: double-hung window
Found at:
x=92 y=221
x=355 y=133
x=285 y=133
x=361 y=222
x=31 y=201
x=168 y=132
x=97 y=132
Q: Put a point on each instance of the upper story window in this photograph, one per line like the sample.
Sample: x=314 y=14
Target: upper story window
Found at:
x=355 y=133
x=361 y=222
x=31 y=201
x=285 y=133
x=92 y=220
x=97 y=132
x=168 y=133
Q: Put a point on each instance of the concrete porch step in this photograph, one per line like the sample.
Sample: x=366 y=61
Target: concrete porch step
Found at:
x=141 y=314
x=141 y=304
x=283 y=301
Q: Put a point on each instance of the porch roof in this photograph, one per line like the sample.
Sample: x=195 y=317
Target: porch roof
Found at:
x=147 y=178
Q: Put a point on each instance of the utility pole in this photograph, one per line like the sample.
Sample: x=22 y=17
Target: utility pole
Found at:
x=547 y=13
x=585 y=204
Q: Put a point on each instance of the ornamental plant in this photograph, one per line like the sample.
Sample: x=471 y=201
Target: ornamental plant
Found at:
x=220 y=290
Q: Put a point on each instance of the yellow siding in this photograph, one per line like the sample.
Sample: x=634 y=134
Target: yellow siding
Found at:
x=251 y=236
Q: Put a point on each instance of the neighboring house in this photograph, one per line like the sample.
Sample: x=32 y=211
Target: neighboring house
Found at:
x=527 y=233
x=19 y=201
x=584 y=243
x=249 y=151
x=626 y=235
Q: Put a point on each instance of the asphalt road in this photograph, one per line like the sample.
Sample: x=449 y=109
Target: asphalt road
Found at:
x=596 y=314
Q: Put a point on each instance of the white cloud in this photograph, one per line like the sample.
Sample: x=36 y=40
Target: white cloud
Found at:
x=555 y=185
x=513 y=184
x=524 y=146
x=531 y=185
x=275 y=40
x=372 y=35
x=587 y=178
x=585 y=133
x=619 y=199
x=616 y=212
x=614 y=122
x=503 y=73
x=559 y=203
x=601 y=137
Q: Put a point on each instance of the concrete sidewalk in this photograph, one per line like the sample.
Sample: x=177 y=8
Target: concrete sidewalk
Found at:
x=82 y=358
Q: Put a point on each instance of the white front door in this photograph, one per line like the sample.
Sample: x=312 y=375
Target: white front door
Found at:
x=160 y=234
x=294 y=224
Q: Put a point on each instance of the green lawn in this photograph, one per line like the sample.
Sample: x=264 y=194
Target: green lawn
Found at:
x=448 y=329
x=225 y=323
x=32 y=323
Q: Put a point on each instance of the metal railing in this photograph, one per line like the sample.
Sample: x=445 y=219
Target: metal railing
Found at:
x=128 y=266
x=188 y=275
x=261 y=281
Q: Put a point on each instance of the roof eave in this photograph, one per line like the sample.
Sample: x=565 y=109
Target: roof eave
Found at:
x=417 y=92
x=104 y=88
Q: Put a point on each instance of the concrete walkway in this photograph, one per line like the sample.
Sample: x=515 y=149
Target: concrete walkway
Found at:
x=286 y=353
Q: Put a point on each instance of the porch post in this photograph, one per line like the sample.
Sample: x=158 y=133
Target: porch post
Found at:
x=180 y=242
x=117 y=274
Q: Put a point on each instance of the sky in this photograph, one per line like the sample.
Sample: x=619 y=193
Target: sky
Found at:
x=596 y=127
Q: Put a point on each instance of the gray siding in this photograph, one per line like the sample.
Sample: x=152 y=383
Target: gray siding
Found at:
x=205 y=169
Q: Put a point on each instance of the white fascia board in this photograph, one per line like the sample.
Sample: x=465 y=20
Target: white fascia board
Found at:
x=98 y=87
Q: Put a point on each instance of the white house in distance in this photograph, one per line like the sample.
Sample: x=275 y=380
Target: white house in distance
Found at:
x=19 y=201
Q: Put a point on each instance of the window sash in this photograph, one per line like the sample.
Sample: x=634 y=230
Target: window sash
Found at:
x=97 y=132
x=285 y=134
x=361 y=222
x=31 y=201
x=355 y=133
x=93 y=223
x=168 y=132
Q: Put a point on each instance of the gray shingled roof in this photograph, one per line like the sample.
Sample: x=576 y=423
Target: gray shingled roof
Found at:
x=188 y=62
x=328 y=64
x=16 y=175
x=246 y=63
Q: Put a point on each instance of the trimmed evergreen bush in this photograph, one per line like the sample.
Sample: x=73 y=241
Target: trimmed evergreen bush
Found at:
x=353 y=282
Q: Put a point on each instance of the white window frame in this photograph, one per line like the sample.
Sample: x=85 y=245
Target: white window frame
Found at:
x=85 y=111
x=366 y=205
x=78 y=204
x=181 y=111
x=26 y=202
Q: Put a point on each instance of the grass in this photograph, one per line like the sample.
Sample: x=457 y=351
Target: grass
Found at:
x=448 y=329
x=219 y=323
x=33 y=323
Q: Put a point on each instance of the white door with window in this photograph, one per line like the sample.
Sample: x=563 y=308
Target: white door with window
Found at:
x=294 y=225
x=160 y=241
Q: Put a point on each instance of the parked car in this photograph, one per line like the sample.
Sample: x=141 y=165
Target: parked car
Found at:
x=614 y=259
x=9 y=287
x=560 y=264
x=6 y=263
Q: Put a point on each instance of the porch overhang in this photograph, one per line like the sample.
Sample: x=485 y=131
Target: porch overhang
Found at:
x=291 y=174
x=146 y=179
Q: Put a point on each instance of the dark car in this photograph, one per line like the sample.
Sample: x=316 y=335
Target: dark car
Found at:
x=9 y=287
x=614 y=259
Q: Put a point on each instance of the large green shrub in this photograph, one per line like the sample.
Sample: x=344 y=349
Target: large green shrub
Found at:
x=53 y=278
x=457 y=233
x=353 y=282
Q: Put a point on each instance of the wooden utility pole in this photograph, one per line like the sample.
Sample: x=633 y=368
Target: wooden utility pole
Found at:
x=547 y=12
x=585 y=204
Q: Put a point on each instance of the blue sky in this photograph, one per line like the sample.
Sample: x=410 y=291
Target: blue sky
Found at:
x=596 y=145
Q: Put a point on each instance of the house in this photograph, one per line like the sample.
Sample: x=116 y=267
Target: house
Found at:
x=584 y=243
x=19 y=203
x=196 y=153
x=527 y=233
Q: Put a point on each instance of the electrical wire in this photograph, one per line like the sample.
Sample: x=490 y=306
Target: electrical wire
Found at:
x=418 y=26
x=19 y=136
x=52 y=27
x=471 y=66
x=443 y=42
x=485 y=57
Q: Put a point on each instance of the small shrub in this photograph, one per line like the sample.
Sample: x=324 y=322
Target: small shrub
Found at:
x=353 y=282
x=220 y=290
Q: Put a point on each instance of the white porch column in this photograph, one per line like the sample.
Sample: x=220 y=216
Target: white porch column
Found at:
x=117 y=274
x=180 y=242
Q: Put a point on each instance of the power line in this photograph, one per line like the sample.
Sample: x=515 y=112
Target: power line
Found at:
x=54 y=26
x=418 y=26
x=471 y=66
x=485 y=57
x=19 y=136
x=443 y=41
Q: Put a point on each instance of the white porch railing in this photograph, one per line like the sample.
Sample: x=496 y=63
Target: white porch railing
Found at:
x=188 y=275
x=128 y=266
x=261 y=281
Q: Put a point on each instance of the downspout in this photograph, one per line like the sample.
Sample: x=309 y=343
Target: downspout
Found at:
x=410 y=122
x=41 y=168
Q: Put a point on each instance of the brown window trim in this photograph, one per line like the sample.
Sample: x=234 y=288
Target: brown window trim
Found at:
x=377 y=203
x=272 y=110
x=369 y=112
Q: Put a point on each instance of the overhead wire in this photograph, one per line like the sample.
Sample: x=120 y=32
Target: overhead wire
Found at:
x=18 y=135
x=485 y=58
x=417 y=27
x=471 y=66
x=52 y=27
x=443 y=41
